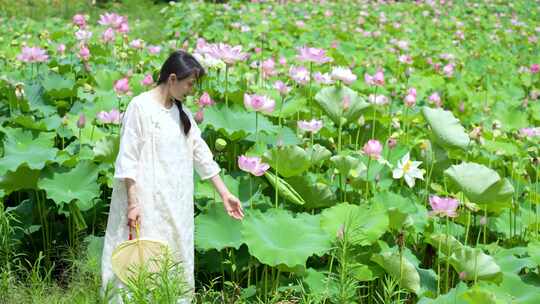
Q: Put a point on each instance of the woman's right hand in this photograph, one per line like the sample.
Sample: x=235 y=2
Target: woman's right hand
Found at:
x=134 y=214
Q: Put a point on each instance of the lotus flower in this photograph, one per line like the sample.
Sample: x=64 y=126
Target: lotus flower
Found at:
x=448 y=70
x=322 y=78
x=61 y=49
x=444 y=206
x=378 y=100
x=112 y=19
x=199 y=116
x=154 y=49
x=205 y=100
x=108 y=35
x=406 y=59
x=136 y=44
x=309 y=54
x=268 y=67
x=252 y=165
x=535 y=68
x=33 y=54
x=147 y=80
x=83 y=35
x=111 y=117
x=529 y=132
x=375 y=80
x=299 y=74
x=122 y=85
x=227 y=53
x=373 y=149
x=81 y=121
x=312 y=126
x=408 y=169
x=343 y=74
x=410 y=99
x=435 y=99
x=79 y=20
x=282 y=88
x=84 y=53
x=259 y=103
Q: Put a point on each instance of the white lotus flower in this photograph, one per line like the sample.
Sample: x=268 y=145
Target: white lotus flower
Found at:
x=409 y=170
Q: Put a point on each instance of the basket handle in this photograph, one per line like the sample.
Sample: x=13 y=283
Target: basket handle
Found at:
x=137 y=231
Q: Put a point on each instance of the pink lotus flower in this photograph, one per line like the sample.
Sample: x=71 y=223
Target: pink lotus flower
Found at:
x=282 y=60
x=445 y=206
x=268 y=67
x=343 y=74
x=111 y=117
x=346 y=102
x=535 y=68
x=379 y=100
x=375 y=80
x=154 y=49
x=147 y=80
x=205 y=100
x=112 y=19
x=282 y=88
x=61 y=49
x=321 y=78
x=199 y=116
x=33 y=54
x=136 y=44
x=529 y=132
x=448 y=70
x=227 y=53
x=259 y=103
x=373 y=149
x=84 y=53
x=299 y=74
x=435 y=99
x=410 y=99
x=79 y=20
x=252 y=165
x=309 y=54
x=81 y=121
x=312 y=126
x=83 y=35
x=108 y=35
x=121 y=86
x=123 y=28
x=406 y=59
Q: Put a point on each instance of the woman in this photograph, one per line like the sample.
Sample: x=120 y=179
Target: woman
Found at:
x=160 y=145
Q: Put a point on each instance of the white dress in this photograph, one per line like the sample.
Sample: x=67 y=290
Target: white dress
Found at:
x=155 y=153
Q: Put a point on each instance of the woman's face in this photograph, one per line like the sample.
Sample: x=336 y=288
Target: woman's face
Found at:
x=181 y=88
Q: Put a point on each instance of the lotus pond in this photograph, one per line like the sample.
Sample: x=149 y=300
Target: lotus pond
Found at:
x=384 y=152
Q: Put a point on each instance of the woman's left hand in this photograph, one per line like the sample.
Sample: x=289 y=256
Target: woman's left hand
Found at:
x=233 y=206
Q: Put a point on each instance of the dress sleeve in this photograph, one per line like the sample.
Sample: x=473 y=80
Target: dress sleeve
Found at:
x=131 y=141
x=203 y=159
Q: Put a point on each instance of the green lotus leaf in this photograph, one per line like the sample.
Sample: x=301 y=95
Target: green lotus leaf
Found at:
x=447 y=130
x=210 y=231
x=474 y=263
x=330 y=99
x=533 y=248
x=501 y=147
x=445 y=244
x=345 y=163
x=59 y=86
x=79 y=183
x=287 y=160
x=106 y=149
x=480 y=184
x=366 y=225
x=314 y=190
x=46 y=124
x=400 y=209
x=276 y=237
x=22 y=178
x=235 y=123
x=284 y=189
x=400 y=268
x=25 y=147
x=318 y=154
x=479 y=295
x=320 y=285
x=511 y=117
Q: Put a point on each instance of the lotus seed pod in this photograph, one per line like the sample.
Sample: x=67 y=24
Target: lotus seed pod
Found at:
x=220 y=144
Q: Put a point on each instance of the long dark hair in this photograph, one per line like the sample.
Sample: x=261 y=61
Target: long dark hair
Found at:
x=183 y=65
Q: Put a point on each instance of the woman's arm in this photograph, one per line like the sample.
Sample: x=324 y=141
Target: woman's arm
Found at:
x=231 y=203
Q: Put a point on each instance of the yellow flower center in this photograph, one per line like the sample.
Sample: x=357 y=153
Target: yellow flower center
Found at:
x=407 y=166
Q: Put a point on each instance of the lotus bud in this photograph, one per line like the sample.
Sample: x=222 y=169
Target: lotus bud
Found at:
x=19 y=90
x=220 y=144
